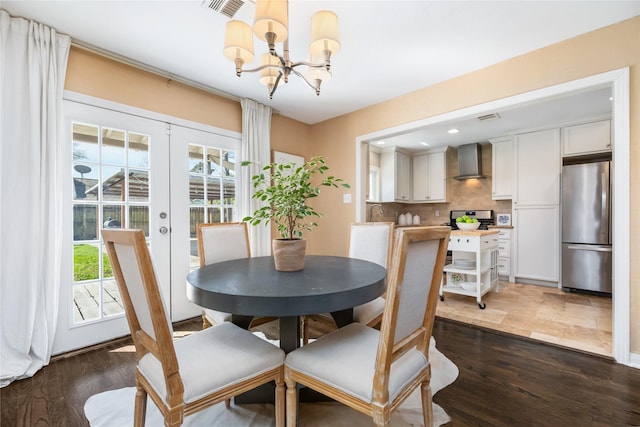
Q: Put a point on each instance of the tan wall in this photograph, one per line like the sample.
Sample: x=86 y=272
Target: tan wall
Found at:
x=603 y=50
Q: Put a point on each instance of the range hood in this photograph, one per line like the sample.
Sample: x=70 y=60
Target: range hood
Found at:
x=469 y=161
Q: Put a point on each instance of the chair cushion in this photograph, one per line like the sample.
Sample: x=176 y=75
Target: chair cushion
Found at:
x=367 y=312
x=214 y=358
x=345 y=359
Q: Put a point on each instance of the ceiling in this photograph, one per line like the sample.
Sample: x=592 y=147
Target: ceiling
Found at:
x=389 y=48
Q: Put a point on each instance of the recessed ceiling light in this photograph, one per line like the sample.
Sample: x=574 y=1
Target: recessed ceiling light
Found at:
x=381 y=142
x=426 y=144
x=454 y=130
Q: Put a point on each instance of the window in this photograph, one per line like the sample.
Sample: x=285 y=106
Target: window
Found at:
x=110 y=189
x=374 y=184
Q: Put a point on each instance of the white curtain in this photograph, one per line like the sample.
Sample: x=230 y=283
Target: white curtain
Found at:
x=33 y=63
x=256 y=143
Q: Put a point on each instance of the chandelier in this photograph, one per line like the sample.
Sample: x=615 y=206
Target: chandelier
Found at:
x=270 y=24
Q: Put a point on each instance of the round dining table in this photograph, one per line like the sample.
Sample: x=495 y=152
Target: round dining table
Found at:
x=249 y=287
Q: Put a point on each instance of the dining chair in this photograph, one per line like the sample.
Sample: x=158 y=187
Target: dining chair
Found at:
x=369 y=241
x=196 y=371
x=374 y=371
x=218 y=242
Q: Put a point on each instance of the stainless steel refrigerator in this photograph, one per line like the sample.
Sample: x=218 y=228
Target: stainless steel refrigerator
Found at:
x=586 y=227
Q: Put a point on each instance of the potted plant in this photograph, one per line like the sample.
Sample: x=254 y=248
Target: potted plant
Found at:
x=285 y=188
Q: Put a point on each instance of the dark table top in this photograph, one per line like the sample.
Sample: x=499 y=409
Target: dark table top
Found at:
x=253 y=287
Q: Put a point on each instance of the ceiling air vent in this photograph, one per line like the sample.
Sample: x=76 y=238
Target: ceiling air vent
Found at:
x=488 y=117
x=226 y=7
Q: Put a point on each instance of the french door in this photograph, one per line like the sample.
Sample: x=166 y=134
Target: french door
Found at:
x=128 y=171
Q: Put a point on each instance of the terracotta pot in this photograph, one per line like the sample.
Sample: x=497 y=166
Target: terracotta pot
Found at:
x=289 y=254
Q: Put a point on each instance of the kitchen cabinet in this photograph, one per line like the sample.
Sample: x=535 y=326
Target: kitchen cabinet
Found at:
x=586 y=138
x=430 y=177
x=395 y=169
x=474 y=268
x=537 y=168
x=502 y=168
x=504 y=253
x=537 y=243
x=536 y=206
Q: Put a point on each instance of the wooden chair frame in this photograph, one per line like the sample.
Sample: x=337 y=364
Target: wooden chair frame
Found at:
x=162 y=346
x=380 y=408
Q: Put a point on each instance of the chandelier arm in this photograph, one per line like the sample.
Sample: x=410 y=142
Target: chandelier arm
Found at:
x=262 y=67
x=275 y=85
x=315 y=87
x=308 y=64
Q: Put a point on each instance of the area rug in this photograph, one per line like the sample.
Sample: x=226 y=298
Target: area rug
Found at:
x=114 y=408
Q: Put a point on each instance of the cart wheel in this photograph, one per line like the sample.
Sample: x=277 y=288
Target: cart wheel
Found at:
x=482 y=306
x=441 y=297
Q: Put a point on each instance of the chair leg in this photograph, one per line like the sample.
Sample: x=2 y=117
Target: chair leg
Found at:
x=304 y=326
x=427 y=404
x=205 y=322
x=140 y=407
x=292 y=402
x=280 y=402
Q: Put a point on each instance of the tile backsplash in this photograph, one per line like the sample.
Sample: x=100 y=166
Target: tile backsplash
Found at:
x=463 y=195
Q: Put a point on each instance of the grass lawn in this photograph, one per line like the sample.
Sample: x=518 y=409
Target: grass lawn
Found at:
x=85 y=263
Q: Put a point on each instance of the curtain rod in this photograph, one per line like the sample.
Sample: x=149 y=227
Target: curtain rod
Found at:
x=145 y=67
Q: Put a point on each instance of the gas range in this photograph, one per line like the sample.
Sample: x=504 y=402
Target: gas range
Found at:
x=485 y=217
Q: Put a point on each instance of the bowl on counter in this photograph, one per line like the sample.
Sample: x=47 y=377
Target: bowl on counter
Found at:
x=468 y=226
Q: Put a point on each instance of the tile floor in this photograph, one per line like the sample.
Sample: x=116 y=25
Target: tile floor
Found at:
x=573 y=320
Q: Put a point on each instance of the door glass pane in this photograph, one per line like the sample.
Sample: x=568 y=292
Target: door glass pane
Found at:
x=84 y=180
x=111 y=300
x=85 y=222
x=229 y=163
x=87 y=301
x=229 y=191
x=196 y=189
x=113 y=183
x=85 y=143
x=214 y=167
x=139 y=218
x=113 y=216
x=213 y=191
x=138 y=150
x=86 y=262
x=113 y=151
x=138 y=186
x=196 y=159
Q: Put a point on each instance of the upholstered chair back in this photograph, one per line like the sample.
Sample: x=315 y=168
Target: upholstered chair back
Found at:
x=222 y=242
x=370 y=241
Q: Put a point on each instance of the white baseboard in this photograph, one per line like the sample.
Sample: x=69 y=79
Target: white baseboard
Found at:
x=634 y=360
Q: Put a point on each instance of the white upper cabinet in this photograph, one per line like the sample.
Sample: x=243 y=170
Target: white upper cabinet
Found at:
x=502 y=168
x=430 y=177
x=537 y=169
x=587 y=138
x=395 y=169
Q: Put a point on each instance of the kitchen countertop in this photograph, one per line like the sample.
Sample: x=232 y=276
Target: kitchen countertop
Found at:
x=473 y=233
x=500 y=226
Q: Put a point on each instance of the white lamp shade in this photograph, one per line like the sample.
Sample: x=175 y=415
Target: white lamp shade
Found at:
x=324 y=33
x=238 y=41
x=270 y=74
x=271 y=16
x=313 y=74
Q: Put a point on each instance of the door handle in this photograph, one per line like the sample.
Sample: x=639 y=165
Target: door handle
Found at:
x=587 y=248
x=163 y=230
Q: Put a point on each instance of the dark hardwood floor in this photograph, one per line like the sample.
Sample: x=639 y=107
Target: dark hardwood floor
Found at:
x=504 y=381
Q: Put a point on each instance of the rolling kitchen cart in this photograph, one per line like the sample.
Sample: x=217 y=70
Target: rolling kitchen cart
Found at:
x=474 y=267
